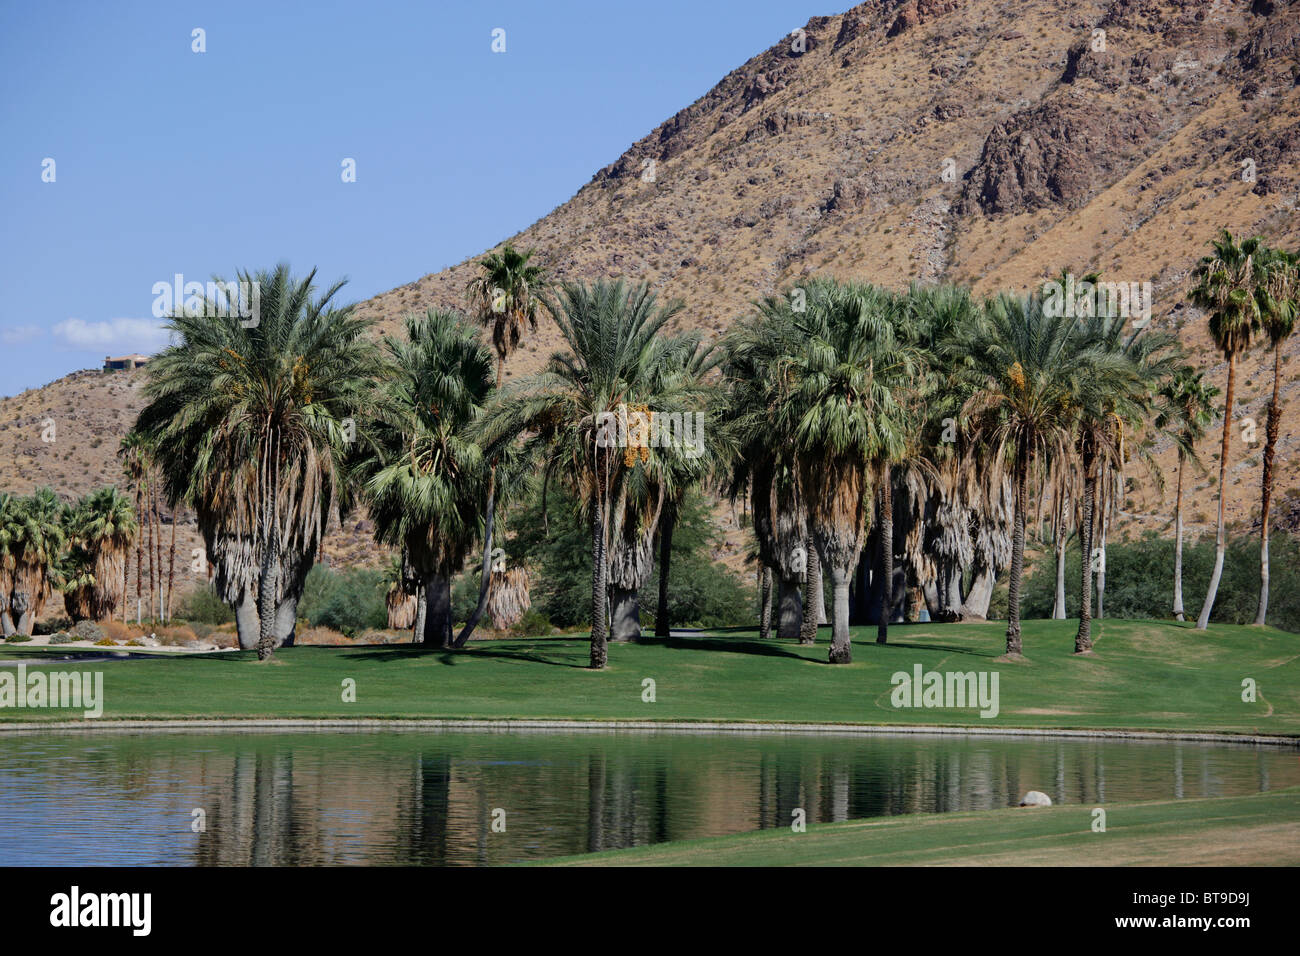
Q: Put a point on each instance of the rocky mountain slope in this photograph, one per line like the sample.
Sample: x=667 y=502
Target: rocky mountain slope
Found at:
x=993 y=142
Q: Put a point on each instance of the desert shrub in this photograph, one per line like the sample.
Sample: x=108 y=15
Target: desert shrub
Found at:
x=203 y=605
x=175 y=635
x=350 y=601
x=202 y=630
x=135 y=642
x=87 y=631
x=17 y=639
x=533 y=624
x=119 y=631
x=106 y=642
x=322 y=636
x=222 y=639
x=52 y=625
x=62 y=637
x=1140 y=580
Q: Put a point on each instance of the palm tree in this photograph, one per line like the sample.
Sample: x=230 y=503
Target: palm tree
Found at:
x=569 y=411
x=1279 y=301
x=133 y=450
x=1186 y=412
x=506 y=296
x=1026 y=372
x=835 y=398
x=1126 y=372
x=103 y=524
x=32 y=541
x=250 y=425
x=1227 y=287
x=420 y=474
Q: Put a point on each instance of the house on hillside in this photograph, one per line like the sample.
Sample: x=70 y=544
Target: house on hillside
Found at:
x=124 y=362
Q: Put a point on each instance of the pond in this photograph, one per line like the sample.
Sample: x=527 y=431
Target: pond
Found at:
x=414 y=798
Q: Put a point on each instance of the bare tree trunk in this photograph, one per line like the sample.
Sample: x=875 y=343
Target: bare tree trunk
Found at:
x=625 y=616
x=1058 y=542
x=662 y=625
x=1017 y=550
x=421 y=615
x=485 y=578
x=1270 y=449
x=1101 y=565
x=765 y=603
x=886 y=555
x=789 y=608
x=1221 y=537
x=171 y=572
x=1179 y=614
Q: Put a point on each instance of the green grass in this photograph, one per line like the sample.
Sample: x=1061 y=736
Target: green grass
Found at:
x=1261 y=829
x=1143 y=675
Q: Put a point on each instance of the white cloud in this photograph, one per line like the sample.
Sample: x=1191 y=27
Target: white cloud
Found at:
x=20 y=334
x=114 y=336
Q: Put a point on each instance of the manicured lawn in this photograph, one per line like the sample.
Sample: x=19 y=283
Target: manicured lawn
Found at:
x=1143 y=675
x=1261 y=829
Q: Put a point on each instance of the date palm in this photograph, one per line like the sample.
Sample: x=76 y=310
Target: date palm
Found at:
x=1026 y=370
x=420 y=475
x=1185 y=413
x=615 y=359
x=1279 y=295
x=250 y=421
x=1227 y=287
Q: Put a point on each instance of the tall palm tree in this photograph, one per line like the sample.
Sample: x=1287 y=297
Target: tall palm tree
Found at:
x=133 y=451
x=1027 y=370
x=420 y=474
x=1279 y=301
x=615 y=359
x=1127 y=369
x=506 y=296
x=836 y=399
x=1186 y=412
x=1227 y=287
x=250 y=426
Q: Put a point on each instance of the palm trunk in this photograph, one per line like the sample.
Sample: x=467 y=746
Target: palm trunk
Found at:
x=812 y=585
x=1101 y=566
x=1083 y=637
x=841 y=649
x=171 y=571
x=625 y=615
x=662 y=624
x=1017 y=550
x=886 y=556
x=1058 y=542
x=421 y=615
x=139 y=557
x=1270 y=449
x=153 y=584
x=246 y=624
x=599 y=650
x=765 y=603
x=1221 y=536
x=269 y=576
x=789 y=608
x=1179 y=614
x=485 y=576
x=437 y=610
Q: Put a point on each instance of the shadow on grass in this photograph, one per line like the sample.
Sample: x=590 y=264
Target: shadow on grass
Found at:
x=725 y=645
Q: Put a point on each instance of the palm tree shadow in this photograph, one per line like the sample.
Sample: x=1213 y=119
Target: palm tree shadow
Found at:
x=755 y=646
x=950 y=648
x=387 y=654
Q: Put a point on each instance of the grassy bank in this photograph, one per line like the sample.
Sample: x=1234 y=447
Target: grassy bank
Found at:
x=1262 y=829
x=1143 y=675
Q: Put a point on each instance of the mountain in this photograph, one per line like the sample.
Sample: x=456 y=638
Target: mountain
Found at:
x=1115 y=135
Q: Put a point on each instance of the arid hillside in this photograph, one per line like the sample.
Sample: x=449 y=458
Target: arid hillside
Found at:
x=994 y=142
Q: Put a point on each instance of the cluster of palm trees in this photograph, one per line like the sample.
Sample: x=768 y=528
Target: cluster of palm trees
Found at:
x=79 y=549
x=927 y=428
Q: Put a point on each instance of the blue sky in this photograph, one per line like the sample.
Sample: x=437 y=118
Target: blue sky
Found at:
x=170 y=161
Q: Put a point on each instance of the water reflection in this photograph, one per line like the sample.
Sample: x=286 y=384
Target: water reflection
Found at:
x=431 y=800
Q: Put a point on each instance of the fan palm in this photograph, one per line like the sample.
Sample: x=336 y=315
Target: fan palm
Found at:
x=1227 y=287
x=421 y=476
x=104 y=525
x=32 y=541
x=1279 y=295
x=250 y=423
